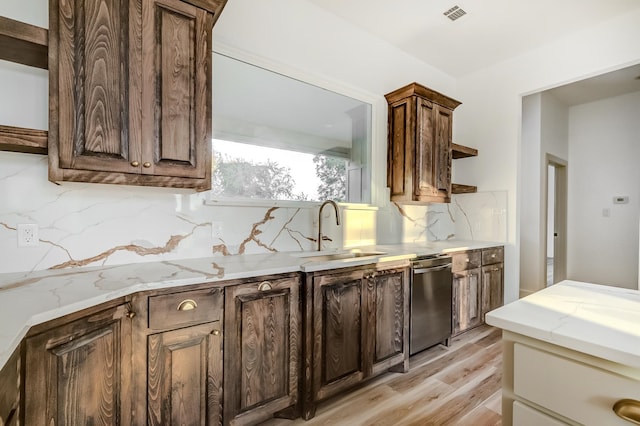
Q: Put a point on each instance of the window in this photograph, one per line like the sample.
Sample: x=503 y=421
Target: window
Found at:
x=278 y=138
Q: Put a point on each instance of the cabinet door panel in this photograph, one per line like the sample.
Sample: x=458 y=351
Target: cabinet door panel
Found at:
x=492 y=287
x=262 y=350
x=92 y=85
x=399 y=154
x=10 y=384
x=176 y=41
x=390 y=321
x=424 y=150
x=184 y=380
x=442 y=146
x=265 y=345
x=466 y=300
x=339 y=335
x=76 y=373
x=342 y=330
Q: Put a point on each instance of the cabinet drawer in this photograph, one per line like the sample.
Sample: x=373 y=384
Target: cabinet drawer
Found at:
x=466 y=260
x=578 y=391
x=523 y=415
x=492 y=255
x=189 y=307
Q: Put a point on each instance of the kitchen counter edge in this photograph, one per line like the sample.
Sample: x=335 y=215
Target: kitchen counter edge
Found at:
x=31 y=298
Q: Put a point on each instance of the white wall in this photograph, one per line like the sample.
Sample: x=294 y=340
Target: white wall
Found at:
x=490 y=116
x=604 y=148
x=530 y=271
x=88 y=224
x=551 y=208
x=544 y=131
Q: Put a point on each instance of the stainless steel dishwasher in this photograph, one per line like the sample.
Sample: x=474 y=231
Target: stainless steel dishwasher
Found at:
x=431 y=294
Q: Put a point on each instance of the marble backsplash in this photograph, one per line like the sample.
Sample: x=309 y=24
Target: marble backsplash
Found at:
x=90 y=224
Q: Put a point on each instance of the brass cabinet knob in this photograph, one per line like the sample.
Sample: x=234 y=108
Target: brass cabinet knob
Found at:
x=216 y=332
x=131 y=314
x=264 y=286
x=146 y=164
x=628 y=409
x=187 y=305
x=135 y=163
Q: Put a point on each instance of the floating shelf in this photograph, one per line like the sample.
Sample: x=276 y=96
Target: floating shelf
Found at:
x=457 y=188
x=24 y=43
x=28 y=45
x=461 y=151
x=18 y=139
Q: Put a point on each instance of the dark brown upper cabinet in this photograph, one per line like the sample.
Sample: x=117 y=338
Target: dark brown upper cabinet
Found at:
x=130 y=91
x=419 y=145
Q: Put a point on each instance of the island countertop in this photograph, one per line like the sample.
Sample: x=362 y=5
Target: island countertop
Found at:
x=598 y=320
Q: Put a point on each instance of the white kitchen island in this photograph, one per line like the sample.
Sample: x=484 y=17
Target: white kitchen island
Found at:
x=571 y=351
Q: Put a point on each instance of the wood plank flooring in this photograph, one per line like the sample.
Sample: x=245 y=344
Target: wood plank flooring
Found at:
x=459 y=385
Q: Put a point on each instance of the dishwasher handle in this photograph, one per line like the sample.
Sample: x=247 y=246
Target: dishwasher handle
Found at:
x=431 y=269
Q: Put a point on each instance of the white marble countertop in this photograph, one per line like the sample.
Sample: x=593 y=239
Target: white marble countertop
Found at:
x=598 y=320
x=27 y=299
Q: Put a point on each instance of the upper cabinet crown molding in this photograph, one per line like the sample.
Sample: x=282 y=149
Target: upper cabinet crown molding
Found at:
x=415 y=89
x=212 y=6
x=130 y=91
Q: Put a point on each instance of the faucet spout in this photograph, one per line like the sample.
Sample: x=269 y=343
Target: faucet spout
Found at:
x=335 y=207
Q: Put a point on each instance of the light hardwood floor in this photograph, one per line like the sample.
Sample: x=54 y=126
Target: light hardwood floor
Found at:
x=459 y=385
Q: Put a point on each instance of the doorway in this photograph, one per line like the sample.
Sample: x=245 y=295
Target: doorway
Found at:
x=556 y=220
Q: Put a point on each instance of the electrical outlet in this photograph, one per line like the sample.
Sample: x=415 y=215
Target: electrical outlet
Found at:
x=28 y=235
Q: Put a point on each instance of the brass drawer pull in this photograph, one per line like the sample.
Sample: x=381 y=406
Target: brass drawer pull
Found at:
x=146 y=165
x=628 y=409
x=493 y=256
x=264 y=286
x=135 y=163
x=187 y=305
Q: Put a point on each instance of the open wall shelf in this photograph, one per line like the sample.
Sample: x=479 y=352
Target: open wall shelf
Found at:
x=28 y=45
x=461 y=151
x=457 y=188
x=19 y=139
x=24 y=43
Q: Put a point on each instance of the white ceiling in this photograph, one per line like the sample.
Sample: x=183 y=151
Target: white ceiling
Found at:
x=490 y=32
x=603 y=86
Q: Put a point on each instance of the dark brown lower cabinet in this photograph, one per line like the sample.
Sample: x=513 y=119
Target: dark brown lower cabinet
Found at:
x=261 y=349
x=478 y=286
x=79 y=373
x=10 y=390
x=356 y=323
x=492 y=287
x=157 y=357
x=467 y=290
x=184 y=368
x=177 y=358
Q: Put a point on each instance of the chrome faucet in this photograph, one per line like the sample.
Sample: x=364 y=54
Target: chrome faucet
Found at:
x=335 y=207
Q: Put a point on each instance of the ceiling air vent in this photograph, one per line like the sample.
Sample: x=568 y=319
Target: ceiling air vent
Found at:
x=454 y=13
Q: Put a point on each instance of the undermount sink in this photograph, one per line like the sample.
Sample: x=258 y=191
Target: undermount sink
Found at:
x=326 y=257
